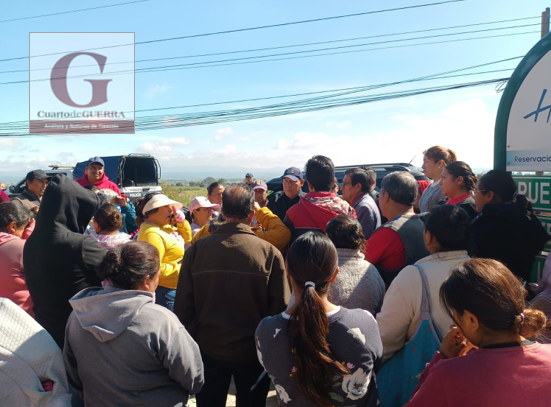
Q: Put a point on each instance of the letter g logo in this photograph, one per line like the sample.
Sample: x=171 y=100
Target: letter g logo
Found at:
x=58 y=80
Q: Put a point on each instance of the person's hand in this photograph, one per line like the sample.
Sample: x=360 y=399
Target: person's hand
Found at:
x=256 y=206
x=178 y=215
x=455 y=344
x=121 y=201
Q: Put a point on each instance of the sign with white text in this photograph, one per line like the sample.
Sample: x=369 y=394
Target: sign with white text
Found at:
x=537 y=190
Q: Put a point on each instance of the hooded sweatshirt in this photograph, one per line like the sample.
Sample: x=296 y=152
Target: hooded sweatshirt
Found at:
x=103 y=183
x=122 y=349
x=313 y=212
x=59 y=260
x=12 y=278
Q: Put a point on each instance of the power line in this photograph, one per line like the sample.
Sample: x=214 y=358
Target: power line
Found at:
x=252 y=28
x=247 y=60
x=73 y=11
x=299 y=45
x=334 y=92
x=204 y=118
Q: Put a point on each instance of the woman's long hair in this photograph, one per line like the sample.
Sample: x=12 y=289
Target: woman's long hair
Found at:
x=312 y=258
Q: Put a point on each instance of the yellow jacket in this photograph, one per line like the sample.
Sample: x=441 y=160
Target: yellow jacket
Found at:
x=276 y=232
x=171 y=249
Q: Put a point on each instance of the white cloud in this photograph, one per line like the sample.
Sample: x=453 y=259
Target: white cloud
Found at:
x=257 y=133
x=176 y=141
x=338 y=125
x=221 y=133
x=10 y=142
x=153 y=148
x=154 y=90
x=244 y=139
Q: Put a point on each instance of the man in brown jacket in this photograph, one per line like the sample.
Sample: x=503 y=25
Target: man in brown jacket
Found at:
x=229 y=281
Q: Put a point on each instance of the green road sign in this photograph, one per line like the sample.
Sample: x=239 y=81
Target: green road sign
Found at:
x=537 y=267
x=546 y=222
x=537 y=190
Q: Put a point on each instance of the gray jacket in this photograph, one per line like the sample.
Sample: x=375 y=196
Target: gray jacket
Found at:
x=358 y=284
x=122 y=349
x=368 y=214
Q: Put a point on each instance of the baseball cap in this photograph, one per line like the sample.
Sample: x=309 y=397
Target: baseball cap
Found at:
x=248 y=175
x=97 y=160
x=158 y=201
x=293 y=173
x=259 y=184
x=37 y=174
x=202 y=202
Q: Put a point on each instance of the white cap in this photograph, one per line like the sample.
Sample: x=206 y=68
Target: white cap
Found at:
x=158 y=201
x=202 y=202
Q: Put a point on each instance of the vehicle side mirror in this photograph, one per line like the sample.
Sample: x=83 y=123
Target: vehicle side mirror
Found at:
x=12 y=189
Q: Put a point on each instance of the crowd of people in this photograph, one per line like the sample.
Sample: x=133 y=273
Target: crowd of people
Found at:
x=362 y=292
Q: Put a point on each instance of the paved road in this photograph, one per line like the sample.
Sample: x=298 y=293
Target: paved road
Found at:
x=271 y=402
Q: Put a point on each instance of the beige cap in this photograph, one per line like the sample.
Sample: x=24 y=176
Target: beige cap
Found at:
x=159 y=201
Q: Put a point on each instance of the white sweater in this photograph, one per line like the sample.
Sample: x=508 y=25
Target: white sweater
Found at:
x=401 y=312
x=29 y=356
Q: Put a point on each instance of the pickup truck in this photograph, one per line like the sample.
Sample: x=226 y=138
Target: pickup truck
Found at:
x=135 y=174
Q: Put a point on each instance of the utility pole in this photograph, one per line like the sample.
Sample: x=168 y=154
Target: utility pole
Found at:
x=545 y=22
x=544 y=31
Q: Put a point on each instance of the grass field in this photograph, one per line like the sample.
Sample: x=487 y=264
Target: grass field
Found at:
x=183 y=194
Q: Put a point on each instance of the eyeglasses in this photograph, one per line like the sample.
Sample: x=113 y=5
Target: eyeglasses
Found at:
x=346 y=183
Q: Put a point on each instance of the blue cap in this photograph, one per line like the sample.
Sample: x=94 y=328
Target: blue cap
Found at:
x=248 y=175
x=97 y=160
x=293 y=173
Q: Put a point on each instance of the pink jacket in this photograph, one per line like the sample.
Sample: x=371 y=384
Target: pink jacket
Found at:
x=103 y=183
x=12 y=278
x=501 y=377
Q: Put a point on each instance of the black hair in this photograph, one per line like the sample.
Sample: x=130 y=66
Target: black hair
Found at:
x=489 y=290
x=345 y=232
x=462 y=169
x=320 y=173
x=401 y=187
x=108 y=218
x=213 y=185
x=13 y=212
x=500 y=183
x=238 y=202
x=371 y=176
x=359 y=175
x=129 y=264
x=312 y=257
x=449 y=224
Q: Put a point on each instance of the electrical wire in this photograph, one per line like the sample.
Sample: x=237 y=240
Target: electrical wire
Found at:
x=292 y=46
x=252 y=28
x=246 y=60
x=73 y=11
x=149 y=123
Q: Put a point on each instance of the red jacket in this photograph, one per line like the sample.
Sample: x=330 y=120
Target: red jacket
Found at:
x=103 y=183
x=313 y=212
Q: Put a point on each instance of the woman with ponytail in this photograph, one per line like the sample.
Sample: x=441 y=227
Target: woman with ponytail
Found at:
x=107 y=223
x=317 y=353
x=458 y=183
x=434 y=160
x=123 y=349
x=487 y=358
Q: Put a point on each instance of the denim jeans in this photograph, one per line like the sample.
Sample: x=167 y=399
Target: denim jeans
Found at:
x=165 y=297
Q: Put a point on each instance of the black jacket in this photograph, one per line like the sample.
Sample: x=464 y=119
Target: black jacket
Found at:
x=59 y=260
x=510 y=233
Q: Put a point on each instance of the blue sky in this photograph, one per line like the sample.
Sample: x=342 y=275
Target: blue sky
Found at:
x=388 y=131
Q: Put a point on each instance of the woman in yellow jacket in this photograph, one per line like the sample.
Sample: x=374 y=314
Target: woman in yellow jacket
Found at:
x=160 y=213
